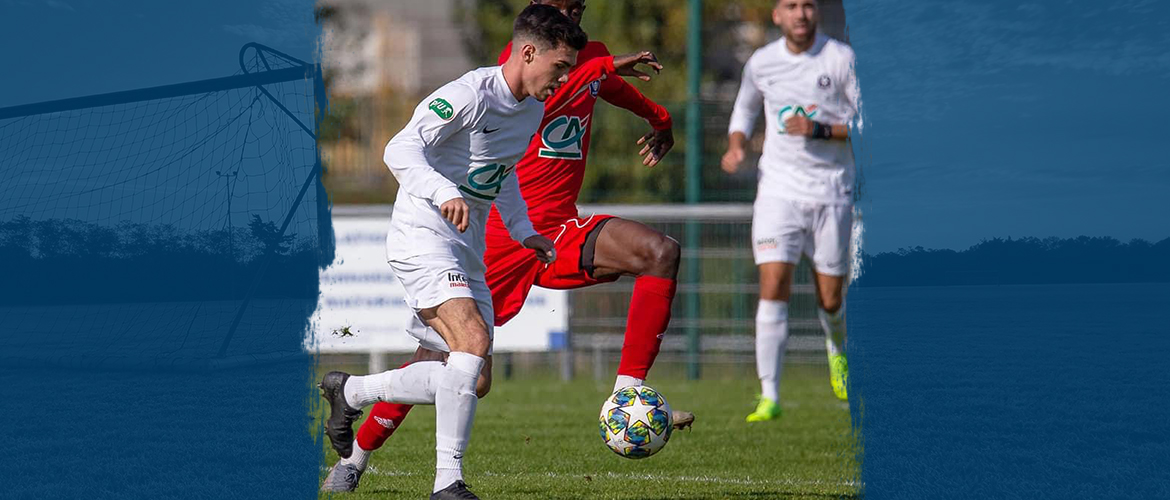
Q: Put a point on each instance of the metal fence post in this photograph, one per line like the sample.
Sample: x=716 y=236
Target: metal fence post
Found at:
x=694 y=164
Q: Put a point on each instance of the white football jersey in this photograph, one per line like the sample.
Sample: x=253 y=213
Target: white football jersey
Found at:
x=464 y=140
x=818 y=83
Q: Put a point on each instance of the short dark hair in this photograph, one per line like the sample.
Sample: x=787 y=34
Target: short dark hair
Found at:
x=547 y=27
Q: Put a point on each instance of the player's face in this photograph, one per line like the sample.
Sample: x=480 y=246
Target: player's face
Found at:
x=546 y=70
x=573 y=9
x=797 y=18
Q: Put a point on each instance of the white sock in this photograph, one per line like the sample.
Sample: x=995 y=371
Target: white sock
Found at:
x=414 y=384
x=834 y=326
x=364 y=390
x=359 y=458
x=626 y=381
x=455 y=404
x=771 y=341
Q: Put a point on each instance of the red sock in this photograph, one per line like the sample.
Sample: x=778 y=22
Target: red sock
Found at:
x=384 y=419
x=646 y=321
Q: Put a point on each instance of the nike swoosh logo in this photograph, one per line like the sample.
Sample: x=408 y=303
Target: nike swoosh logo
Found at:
x=488 y=131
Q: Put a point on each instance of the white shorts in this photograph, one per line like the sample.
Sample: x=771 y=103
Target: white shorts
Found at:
x=783 y=230
x=430 y=280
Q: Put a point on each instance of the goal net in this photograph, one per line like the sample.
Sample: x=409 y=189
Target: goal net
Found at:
x=174 y=226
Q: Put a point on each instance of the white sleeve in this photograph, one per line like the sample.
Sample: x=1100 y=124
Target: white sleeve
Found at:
x=450 y=109
x=852 y=90
x=513 y=210
x=747 y=104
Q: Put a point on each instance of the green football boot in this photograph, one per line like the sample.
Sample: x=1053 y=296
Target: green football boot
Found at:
x=765 y=410
x=839 y=375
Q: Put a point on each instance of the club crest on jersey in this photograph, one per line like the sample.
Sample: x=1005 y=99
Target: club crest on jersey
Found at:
x=485 y=182
x=595 y=87
x=795 y=110
x=823 y=82
x=562 y=137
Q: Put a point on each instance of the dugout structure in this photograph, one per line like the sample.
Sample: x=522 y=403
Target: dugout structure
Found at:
x=179 y=226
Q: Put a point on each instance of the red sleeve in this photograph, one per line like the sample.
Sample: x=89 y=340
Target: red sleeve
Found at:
x=620 y=93
x=504 y=55
x=592 y=70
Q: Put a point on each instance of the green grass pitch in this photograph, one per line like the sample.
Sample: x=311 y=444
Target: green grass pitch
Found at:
x=537 y=438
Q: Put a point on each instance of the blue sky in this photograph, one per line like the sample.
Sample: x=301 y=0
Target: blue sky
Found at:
x=996 y=118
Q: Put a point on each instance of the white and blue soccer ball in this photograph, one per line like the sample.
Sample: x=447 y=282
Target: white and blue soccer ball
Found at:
x=635 y=421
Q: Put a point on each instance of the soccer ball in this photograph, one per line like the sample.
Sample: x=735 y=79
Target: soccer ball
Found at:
x=635 y=421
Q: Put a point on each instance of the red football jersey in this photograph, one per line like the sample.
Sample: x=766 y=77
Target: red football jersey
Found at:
x=553 y=168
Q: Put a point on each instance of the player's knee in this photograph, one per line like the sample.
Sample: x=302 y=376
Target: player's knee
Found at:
x=473 y=341
x=662 y=255
x=424 y=354
x=669 y=252
x=773 y=287
x=478 y=344
x=831 y=302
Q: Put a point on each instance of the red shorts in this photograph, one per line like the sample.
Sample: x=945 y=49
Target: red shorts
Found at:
x=513 y=269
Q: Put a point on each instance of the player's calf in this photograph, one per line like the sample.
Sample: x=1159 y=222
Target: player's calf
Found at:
x=831 y=302
x=484 y=385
